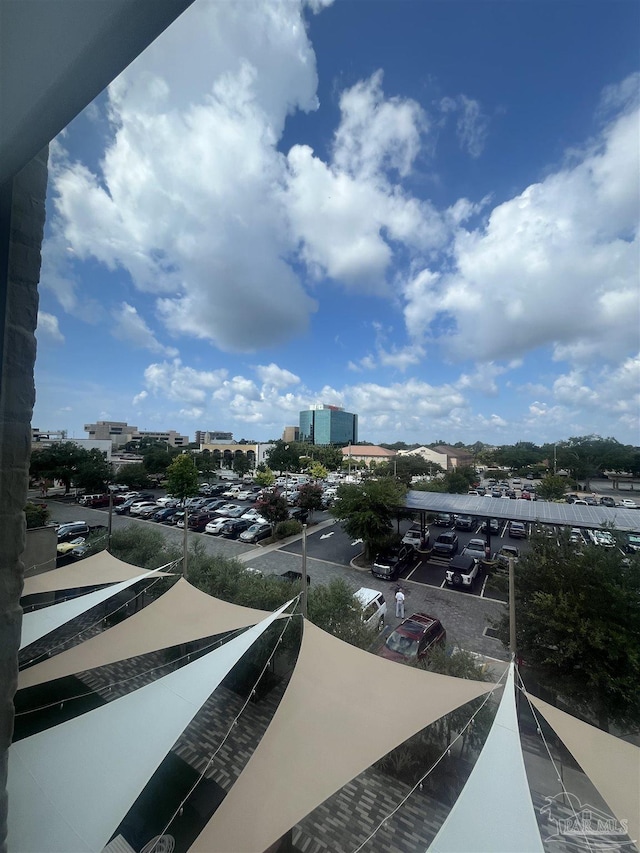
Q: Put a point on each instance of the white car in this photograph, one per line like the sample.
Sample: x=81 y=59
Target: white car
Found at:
x=136 y=509
x=244 y=495
x=254 y=516
x=166 y=500
x=628 y=503
x=215 y=527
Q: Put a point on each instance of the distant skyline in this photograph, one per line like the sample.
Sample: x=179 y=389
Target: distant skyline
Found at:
x=424 y=212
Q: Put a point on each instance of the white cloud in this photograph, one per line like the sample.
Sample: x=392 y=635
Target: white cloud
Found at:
x=178 y=382
x=48 y=328
x=131 y=327
x=139 y=398
x=189 y=200
x=555 y=266
x=277 y=377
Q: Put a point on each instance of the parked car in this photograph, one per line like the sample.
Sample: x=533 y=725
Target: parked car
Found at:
x=463 y=571
x=299 y=514
x=443 y=519
x=245 y=495
x=517 y=530
x=628 y=503
x=475 y=548
x=446 y=545
x=373 y=606
x=63 y=548
x=491 y=526
x=464 y=522
x=414 y=638
x=254 y=516
x=137 y=507
x=163 y=515
x=233 y=527
x=632 y=545
x=167 y=500
x=506 y=553
x=414 y=537
x=395 y=559
x=256 y=531
x=147 y=511
x=72 y=529
x=199 y=520
x=215 y=527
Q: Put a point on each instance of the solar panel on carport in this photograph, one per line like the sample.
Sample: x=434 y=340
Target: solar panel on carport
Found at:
x=544 y=512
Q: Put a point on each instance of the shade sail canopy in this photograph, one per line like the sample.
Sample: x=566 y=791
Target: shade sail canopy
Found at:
x=41 y=622
x=498 y=778
x=612 y=765
x=93 y=571
x=344 y=708
x=72 y=785
x=183 y=614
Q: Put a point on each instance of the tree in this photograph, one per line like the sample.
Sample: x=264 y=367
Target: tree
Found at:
x=59 y=461
x=333 y=608
x=93 y=472
x=285 y=457
x=367 y=511
x=588 y=455
x=182 y=477
x=406 y=467
x=157 y=458
x=578 y=626
x=241 y=465
x=318 y=471
x=37 y=515
x=310 y=498
x=265 y=477
x=551 y=487
x=134 y=475
x=273 y=507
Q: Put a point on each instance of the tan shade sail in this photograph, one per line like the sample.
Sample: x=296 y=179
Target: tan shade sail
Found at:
x=101 y=568
x=612 y=765
x=344 y=708
x=181 y=615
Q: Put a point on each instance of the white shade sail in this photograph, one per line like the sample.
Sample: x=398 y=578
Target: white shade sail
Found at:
x=71 y=786
x=494 y=812
x=38 y=623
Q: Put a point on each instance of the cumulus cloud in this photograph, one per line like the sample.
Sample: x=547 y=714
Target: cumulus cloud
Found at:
x=555 y=266
x=277 y=377
x=48 y=328
x=181 y=383
x=131 y=327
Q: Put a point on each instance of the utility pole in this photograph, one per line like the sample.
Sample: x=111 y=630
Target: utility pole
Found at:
x=303 y=598
x=110 y=522
x=512 y=608
x=184 y=541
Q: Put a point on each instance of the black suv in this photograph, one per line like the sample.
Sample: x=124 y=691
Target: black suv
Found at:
x=389 y=563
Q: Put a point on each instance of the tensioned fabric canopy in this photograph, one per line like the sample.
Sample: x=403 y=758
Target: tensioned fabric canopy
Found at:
x=612 y=765
x=498 y=778
x=40 y=622
x=183 y=614
x=99 y=569
x=71 y=786
x=344 y=708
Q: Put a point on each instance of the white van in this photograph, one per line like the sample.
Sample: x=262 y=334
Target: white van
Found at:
x=374 y=607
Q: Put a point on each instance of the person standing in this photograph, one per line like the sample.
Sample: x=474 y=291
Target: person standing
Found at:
x=400 y=603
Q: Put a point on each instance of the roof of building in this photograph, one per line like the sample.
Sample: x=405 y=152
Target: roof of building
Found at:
x=367 y=450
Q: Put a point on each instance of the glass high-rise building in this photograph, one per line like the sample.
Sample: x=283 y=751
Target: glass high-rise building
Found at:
x=323 y=424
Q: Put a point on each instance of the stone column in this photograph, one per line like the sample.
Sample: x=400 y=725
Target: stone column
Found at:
x=22 y=214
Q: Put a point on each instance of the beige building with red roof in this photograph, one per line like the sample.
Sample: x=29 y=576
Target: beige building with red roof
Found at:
x=367 y=453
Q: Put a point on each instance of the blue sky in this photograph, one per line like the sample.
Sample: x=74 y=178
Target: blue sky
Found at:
x=426 y=212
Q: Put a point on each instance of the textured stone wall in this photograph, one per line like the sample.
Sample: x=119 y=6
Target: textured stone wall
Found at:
x=21 y=231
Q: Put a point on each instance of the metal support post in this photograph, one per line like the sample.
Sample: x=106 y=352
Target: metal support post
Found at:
x=512 y=608
x=303 y=599
x=184 y=541
x=110 y=522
